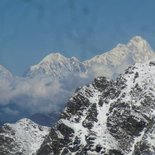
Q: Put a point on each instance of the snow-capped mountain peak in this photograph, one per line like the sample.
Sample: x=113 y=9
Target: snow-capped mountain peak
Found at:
x=114 y=62
x=140 y=49
x=138 y=41
x=23 y=137
x=56 y=65
x=53 y=57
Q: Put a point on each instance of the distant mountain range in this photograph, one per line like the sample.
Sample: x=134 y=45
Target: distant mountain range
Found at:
x=46 y=86
x=109 y=64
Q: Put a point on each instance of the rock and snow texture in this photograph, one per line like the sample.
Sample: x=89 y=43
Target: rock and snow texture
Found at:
x=22 y=138
x=109 y=117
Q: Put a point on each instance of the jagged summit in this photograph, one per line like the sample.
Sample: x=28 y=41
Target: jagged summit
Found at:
x=136 y=45
x=53 y=57
x=23 y=137
x=137 y=38
x=140 y=48
x=138 y=41
x=24 y=122
x=56 y=65
x=114 y=62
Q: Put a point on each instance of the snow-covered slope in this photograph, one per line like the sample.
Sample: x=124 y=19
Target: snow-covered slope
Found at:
x=114 y=62
x=22 y=138
x=108 y=117
x=57 y=66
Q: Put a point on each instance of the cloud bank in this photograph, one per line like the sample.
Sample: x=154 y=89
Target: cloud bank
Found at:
x=26 y=96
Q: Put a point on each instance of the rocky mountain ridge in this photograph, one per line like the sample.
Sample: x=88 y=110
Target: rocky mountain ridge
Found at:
x=23 y=137
x=109 y=117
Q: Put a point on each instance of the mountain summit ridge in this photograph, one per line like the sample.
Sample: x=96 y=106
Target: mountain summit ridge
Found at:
x=135 y=51
x=56 y=65
x=108 y=64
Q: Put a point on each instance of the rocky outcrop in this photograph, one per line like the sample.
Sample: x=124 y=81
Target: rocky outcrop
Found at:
x=21 y=138
x=108 y=117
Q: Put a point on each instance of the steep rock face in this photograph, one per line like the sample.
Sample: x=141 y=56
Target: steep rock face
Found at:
x=21 y=138
x=108 y=117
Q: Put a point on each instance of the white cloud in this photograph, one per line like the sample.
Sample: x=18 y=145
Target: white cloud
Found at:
x=35 y=95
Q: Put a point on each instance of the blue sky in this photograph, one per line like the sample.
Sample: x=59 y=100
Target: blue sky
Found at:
x=31 y=29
